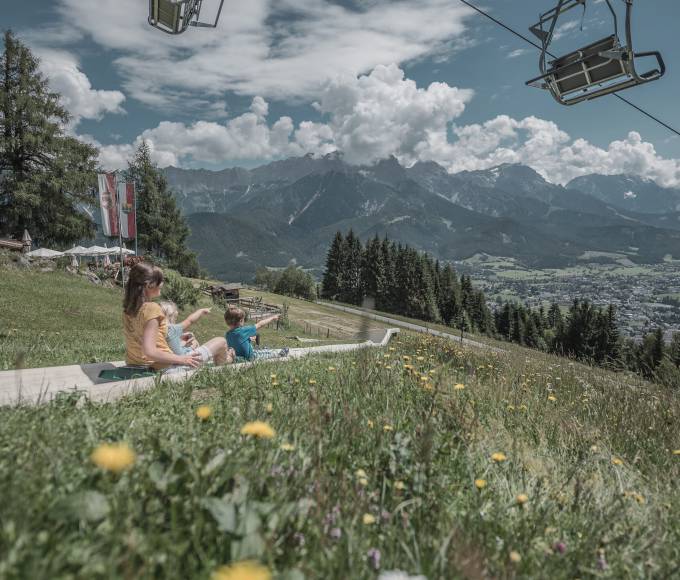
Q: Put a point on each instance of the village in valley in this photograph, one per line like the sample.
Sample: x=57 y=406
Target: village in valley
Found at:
x=646 y=296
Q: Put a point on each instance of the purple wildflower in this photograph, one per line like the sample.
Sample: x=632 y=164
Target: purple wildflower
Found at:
x=559 y=547
x=374 y=558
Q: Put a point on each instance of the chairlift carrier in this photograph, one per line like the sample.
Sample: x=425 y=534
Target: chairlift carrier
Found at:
x=599 y=69
x=175 y=16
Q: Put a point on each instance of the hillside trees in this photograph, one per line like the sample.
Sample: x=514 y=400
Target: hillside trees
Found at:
x=44 y=174
x=162 y=230
x=402 y=281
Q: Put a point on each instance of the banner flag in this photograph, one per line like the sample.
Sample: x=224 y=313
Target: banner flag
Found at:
x=108 y=203
x=126 y=193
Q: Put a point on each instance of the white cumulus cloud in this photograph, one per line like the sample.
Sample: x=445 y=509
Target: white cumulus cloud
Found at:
x=373 y=116
x=78 y=96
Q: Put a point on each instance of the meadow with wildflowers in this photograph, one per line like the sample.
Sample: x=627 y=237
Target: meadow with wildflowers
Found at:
x=423 y=457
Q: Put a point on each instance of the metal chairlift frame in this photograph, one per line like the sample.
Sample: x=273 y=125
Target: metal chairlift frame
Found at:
x=175 y=16
x=600 y=62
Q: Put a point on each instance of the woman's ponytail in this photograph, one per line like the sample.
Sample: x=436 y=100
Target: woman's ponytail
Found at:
x=142 y=275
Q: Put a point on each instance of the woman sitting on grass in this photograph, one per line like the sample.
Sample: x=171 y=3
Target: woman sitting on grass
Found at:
x=145 y=326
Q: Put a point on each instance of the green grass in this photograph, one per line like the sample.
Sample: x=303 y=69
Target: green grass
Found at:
x=201 y=495
x=54 y=318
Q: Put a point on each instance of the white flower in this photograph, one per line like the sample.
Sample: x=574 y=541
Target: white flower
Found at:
x=399 y=575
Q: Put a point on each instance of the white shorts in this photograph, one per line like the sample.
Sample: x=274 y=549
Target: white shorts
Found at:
x=206 y=357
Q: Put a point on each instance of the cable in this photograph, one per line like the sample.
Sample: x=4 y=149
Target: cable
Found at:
x=532 y=43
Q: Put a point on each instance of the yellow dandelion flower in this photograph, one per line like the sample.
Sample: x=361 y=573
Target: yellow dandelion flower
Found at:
x=424 y=378
x=511 y=407
x=387 y=428
x=369 y=423
x=408 y=367
x=269 y=408
x=368 y=519
x=515 y=557
x=203 y=412
x=406 y=357
x=312 y=382
x=360 y=473
x=287 y=447
x=114 y=457
x=522 y=498
x=458 y=387
x=275 y=383
x=617 y=461
x=246 y=570
x=399 y=485
x=420 y=358
x=392 y=349
x=480 y=483
x=258 y=429
x=386 y=356
x=388 y=367
x=432 y=371
x=552 y=398
x=296 y=381
x=332 y=369
x=594 y=448
x=498 y=457
x=363 y=481
x=676 y=451
x=523 y=408
x=272 y=377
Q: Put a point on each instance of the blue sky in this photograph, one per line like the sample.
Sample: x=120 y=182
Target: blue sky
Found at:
x=286 y=77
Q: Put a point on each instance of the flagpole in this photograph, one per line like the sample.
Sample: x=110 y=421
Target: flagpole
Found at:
x=134 y=189
x=120 y=233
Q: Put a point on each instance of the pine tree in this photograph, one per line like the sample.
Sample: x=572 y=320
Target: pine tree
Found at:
x=674 y=349
x=332 y=276
x=44 y=174
x=161 y=228
x=351 y=287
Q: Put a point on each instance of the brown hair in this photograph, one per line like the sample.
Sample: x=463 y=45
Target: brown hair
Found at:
x=233 y=316
x=142 y=276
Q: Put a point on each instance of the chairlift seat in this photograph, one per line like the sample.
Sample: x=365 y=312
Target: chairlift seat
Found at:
x=175 y=16
x=588 y=66
x=601 y=68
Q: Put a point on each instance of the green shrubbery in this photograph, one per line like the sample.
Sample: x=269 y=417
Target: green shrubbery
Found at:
x=180 y=290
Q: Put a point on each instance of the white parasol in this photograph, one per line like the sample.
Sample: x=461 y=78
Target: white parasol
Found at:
x=44 y=253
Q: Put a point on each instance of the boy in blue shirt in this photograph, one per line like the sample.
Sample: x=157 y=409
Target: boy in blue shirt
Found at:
x=239 y=336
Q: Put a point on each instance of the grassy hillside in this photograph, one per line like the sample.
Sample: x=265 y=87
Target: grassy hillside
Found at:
x=55 y=318
x=445 y=462
x=424 y=457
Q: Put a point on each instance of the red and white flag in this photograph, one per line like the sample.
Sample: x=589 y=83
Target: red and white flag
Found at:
x=109 y=203
x=126 y=194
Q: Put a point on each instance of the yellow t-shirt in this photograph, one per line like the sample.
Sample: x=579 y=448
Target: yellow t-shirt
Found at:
x=133 y=327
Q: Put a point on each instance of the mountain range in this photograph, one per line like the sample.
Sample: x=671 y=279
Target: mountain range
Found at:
x=290 y=209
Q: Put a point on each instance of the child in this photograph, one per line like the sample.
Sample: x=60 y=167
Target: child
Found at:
x=180 y=341
x=239 y=336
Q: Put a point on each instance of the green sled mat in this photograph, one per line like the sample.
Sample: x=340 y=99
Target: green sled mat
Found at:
x=126 y=373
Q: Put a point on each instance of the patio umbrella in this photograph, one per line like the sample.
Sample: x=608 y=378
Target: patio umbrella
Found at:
x=116 y=250
x=44 y=253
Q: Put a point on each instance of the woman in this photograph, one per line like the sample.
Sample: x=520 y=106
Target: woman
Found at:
x=145 y=327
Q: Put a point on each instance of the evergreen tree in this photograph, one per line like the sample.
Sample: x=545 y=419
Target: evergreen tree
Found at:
x=674 y=349
x=332 y=276
x=449 y=302
x=44 y=174
x=161 y=228
x=351 y=287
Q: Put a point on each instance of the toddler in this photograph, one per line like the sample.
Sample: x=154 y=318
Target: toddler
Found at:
x=180 y=341
x=239 y=336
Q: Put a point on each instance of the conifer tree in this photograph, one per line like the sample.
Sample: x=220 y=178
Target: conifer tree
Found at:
x=351 y=287
x=161 y=228
x=674 y=349
x=45 y=175
x=332 y=277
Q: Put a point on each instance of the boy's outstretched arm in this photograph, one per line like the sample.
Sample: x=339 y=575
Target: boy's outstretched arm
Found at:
x=265 y=321
x=194 y=317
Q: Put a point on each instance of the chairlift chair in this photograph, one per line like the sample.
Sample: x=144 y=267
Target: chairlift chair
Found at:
x=175 y=16
x=600 y=68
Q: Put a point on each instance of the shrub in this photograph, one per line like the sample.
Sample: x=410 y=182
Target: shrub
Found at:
x=180 y=290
